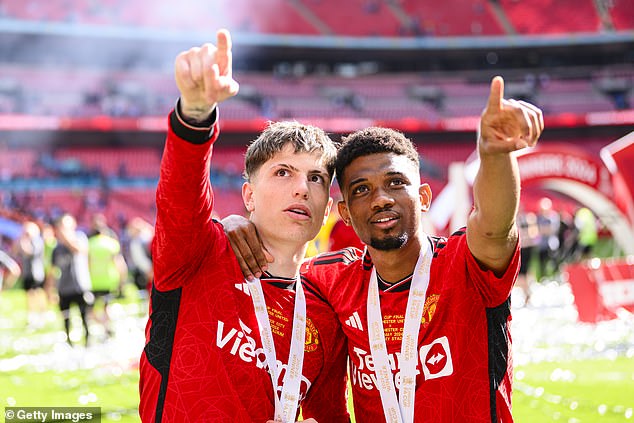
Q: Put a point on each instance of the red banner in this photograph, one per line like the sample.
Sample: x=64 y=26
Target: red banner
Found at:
x=601 y=287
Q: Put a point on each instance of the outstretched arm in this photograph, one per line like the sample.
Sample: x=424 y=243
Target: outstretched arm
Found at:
x=505 y=127
x=184 y=197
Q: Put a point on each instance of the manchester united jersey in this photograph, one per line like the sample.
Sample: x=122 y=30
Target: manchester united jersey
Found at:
x=203 y=360
x=464 y=368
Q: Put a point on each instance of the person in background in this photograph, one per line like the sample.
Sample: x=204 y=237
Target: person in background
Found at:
x=140 y=236
x=585 y=223
x=30 y=254
x=548 y=223
x=529 y=239
x=71 y=272
x=50 y=242
x=108 y=270
x=99 y=225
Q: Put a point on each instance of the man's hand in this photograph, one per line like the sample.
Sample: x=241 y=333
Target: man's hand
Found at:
x=203 y=76
x=247 y=246
x=508 y=125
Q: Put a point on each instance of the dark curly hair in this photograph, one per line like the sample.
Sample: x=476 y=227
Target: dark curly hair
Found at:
x=371 y=141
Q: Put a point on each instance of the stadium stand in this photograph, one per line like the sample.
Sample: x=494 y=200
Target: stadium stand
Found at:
x=190 y=13
x=453 y=17
x=17 y=163
x=109 y=162
x=622 y=14
x=120 y=179
x=356 y=17
x=47 y=92
x=548 y=17
x=349 y=18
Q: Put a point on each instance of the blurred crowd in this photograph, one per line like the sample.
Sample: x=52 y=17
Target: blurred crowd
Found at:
x=59 y=263
x=551 y=238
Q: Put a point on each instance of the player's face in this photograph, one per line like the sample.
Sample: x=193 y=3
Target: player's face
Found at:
x=288 y=197
x=383 y=199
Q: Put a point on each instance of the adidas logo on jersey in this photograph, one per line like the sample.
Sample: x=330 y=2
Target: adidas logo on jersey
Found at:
x=354 y=321
x=243 y=287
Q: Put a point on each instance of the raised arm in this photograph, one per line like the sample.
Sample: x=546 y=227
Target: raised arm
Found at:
x=505 y=127
x=184 y=196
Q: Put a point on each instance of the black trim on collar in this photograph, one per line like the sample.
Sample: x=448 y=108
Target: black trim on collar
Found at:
x=402 y=285
x=278 y=281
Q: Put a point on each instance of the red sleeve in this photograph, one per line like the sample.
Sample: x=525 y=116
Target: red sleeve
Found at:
x=184 y=199
x=494 y=290
x=327 y=400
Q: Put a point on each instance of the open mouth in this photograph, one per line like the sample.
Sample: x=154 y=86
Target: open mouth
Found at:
x=384 y=216
x=299 y=211
x=385 y=220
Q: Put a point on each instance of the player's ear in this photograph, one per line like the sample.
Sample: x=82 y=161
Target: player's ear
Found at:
x=343 y=212
x=425 y=196
x=247 y=197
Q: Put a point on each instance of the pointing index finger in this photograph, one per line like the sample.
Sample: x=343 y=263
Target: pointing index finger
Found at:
x=223 y=40
x=497 y=93
x=223 y=54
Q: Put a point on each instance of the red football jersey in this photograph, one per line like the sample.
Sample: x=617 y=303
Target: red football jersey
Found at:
x=464 y=368
x=203 y=360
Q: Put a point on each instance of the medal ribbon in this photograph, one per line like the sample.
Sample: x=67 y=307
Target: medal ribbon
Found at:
x=286 y=404
x=399 y=410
